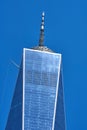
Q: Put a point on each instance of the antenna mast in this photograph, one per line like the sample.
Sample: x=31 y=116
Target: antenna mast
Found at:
x=41 y=40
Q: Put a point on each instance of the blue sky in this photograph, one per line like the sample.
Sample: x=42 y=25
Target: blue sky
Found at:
x=65 y=32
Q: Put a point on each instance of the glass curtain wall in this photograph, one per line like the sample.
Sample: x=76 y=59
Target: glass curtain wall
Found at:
x=40 y=88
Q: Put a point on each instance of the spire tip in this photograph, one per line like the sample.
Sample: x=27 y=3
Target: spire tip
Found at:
x=43 y=13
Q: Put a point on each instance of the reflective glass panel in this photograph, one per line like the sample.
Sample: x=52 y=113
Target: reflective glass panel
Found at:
x=41 y=77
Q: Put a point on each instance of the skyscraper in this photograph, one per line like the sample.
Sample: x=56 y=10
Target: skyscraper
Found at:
x=38 y=101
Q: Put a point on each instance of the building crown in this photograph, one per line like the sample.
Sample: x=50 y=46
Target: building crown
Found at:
x=41 y=46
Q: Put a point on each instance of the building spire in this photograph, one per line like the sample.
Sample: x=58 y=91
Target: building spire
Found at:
x=41 y=40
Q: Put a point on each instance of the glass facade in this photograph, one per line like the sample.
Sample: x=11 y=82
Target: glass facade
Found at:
x=60 y=110
x=41 y=72
x=14 y=121
x=38 y=102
